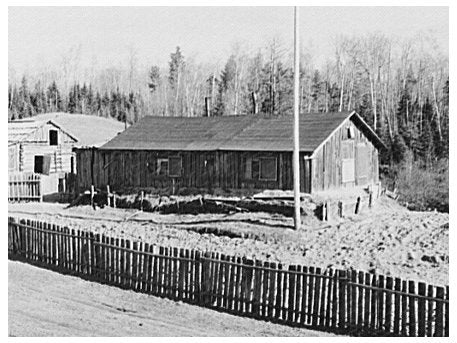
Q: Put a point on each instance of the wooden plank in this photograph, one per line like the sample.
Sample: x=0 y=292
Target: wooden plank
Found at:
x=231 y=294
x=272 y=290
x=285 y=289
x=311 y=291
x=175 y=273
x=257 y=289
x=374 y=304
x=354 y=299
x=335 y=300
x=187 y=275
x=404 y=309
x=323 y=293
x=298 y=292
x=226 y=299
x=397 y=304
x=421 y=314
x=279 y=287
x=198 y=295
x=237 y=285
x=412 y=309
x=167 y=276
x=265 y=286
x=316 y=297
x=149 y=268
x=221 y=282
x=430 y=312
x=181 y=275
x=157 y=278
x=342 y=296
x=360 y=290
x=446 y=313
x=291 y=294
x=113 y=265
x=118 y=265
x=439 y=321
x=122 y=263
x=134 y=266
x=380 y=310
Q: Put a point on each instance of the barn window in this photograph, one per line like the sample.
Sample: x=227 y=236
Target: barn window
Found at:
x=350 y=133
x=175 y=164
x=268 y=169
x=162 y=166
x=53 y=137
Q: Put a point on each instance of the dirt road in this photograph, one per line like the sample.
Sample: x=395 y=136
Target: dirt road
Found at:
x=45 y=303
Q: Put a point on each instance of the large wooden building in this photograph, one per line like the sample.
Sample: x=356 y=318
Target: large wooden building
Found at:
x=254 y=152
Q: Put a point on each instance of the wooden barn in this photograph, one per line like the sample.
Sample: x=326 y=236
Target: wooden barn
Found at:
x=337 y=150
x=44 y=144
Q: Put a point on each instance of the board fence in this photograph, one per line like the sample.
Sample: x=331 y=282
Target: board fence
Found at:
x=343 y=301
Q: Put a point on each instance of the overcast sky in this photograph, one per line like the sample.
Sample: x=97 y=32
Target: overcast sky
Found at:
x=42 y=35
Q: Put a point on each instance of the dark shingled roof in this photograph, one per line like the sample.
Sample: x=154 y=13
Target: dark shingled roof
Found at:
x=246 y=133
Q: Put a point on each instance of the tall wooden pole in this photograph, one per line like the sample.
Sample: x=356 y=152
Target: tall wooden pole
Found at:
x=296 y=155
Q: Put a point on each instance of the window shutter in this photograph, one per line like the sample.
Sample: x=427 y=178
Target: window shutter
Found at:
x=46 y=164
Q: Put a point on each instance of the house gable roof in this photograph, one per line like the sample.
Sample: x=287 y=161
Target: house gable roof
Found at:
x=232 y=133
x=21 y=130
x=90 y=130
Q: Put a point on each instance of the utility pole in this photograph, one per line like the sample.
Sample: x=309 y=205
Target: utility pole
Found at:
x=296 y=155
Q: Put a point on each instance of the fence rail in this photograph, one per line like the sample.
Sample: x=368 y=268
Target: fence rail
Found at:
x=24 y=186
x=351 y=302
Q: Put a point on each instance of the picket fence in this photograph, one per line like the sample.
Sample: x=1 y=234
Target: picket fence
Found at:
x=24 y=186
x=342 y=301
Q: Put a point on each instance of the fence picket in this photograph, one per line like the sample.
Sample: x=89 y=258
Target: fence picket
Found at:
x=279 y=287
x=421 y=314
x=412 y=309
x=439 y=324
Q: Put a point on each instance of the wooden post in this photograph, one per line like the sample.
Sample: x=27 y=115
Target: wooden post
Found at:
x=357 y=206
x=92 y=193
x=108 y=196
x=296 y=154
x=141 y=200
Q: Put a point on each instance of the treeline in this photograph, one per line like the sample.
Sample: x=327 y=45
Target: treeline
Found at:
x=400 y=88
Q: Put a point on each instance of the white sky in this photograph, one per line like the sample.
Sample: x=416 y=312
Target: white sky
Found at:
x=42 y=35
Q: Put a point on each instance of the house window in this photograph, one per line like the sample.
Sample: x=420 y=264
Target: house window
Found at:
x=38 y=166
x=264 y=169
x=162 y=166
x=175 y=164
x=53 y=137
x=268 y=169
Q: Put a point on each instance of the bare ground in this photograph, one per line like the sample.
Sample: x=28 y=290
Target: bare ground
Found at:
x=387 y=239
x=45 y=303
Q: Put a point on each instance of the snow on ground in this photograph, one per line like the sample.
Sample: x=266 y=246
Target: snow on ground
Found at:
x=45 y=303
x=387 y=239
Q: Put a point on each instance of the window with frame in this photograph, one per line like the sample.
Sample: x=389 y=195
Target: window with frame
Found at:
x=268 y=169
x=175 y=166
x=53 y=137
x=162 y=167
x=264 y=169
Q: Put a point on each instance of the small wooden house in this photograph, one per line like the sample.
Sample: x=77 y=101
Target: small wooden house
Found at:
x=337 y=150
x=44 y=144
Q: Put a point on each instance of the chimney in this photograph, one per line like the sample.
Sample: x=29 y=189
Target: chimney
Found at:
x=207 y=106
